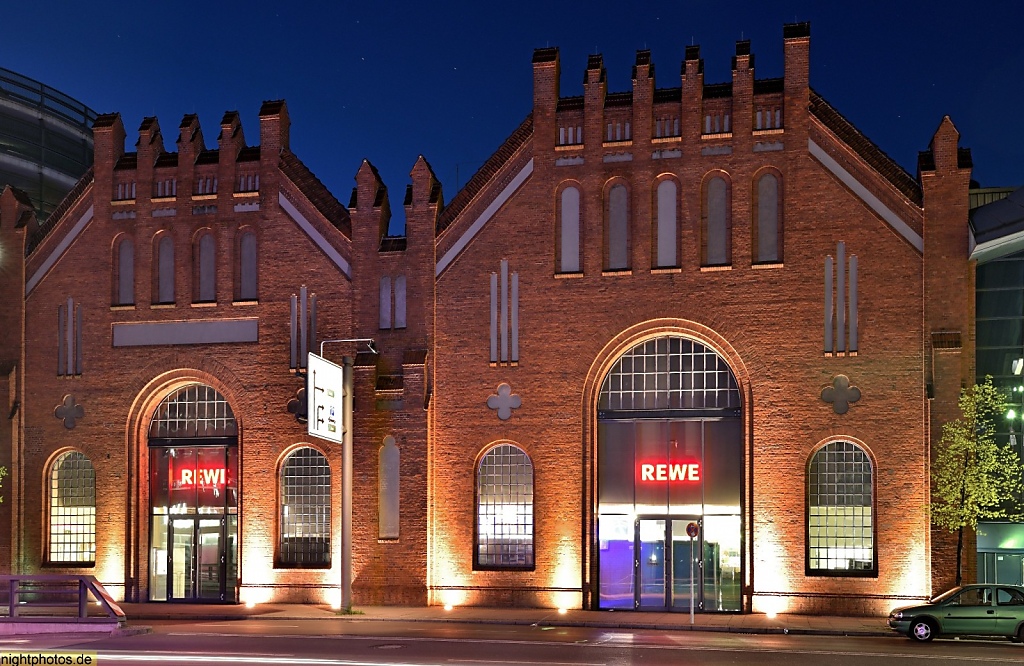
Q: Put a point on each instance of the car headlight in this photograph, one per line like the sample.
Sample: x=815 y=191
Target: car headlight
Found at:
x=897 y=615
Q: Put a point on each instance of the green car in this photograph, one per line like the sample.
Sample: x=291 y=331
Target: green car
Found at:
x=975 y=610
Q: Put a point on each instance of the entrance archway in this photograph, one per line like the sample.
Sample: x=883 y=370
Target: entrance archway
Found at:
x=193 y=497
x=669 y=453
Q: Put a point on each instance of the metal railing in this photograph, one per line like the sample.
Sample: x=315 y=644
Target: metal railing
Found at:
x=49 y=598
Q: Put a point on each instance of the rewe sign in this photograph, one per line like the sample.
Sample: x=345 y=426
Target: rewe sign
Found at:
x=669 y=472
x=203 y=477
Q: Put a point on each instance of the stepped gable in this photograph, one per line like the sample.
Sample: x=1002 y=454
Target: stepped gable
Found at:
x=865 y=148
x=39 y=234
x=485 y=173
x=316 y=192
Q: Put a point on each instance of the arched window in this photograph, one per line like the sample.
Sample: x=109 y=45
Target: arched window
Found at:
x=766 y=229
x=668 y=228
x=247 y=274
x=716 y=247
x=504 y=509
x=72 y=509
x=125 y=273
x=569 y=248
x=305 y=510
x=840 y=529
x=205 y=270
x=165 y=270
x=617 y=228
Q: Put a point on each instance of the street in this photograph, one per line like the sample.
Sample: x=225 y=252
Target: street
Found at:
x=371 y=643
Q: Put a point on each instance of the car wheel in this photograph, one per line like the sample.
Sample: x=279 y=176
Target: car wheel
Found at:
x=922 y=630
x=1019 y=638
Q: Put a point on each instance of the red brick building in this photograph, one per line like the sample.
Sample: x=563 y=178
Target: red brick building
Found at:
x=695 y=337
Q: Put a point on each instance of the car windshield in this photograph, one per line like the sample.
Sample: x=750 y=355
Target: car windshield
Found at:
x=945 y=595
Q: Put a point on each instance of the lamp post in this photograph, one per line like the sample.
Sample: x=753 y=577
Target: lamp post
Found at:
x=348 y=384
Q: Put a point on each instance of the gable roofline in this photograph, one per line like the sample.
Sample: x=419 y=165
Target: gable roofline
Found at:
x=315 y=192
x=485 y=173
x=875 y=157
x=38 y=235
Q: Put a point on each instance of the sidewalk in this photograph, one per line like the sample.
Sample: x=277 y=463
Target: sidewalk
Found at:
x=753 y=623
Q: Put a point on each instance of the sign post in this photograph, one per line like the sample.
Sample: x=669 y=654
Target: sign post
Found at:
x=329 y=395
x=329 y=416
x=692 y=530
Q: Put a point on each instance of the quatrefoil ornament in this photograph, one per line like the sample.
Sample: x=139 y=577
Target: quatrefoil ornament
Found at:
x=504 y=401
x=841 y=394
x=69 y=411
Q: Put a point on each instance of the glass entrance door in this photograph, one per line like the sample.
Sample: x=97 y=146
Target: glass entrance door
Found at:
x=668 y=561
x=686 y=567
x=197 y=560
x=652 y=570
x=181 y=555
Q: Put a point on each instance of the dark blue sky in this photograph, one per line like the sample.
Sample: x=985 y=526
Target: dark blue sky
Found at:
x=389 y=81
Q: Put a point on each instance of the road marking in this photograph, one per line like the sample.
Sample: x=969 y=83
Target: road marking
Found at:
x=505 y=661
x=612 y=645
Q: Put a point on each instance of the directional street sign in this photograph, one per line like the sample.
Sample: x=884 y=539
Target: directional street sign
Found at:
x=325 y=399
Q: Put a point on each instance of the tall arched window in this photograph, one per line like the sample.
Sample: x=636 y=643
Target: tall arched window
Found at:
x=766 y=229
x=247 y=274
x=569 y=248
x=840 y=529
x=125 y=272
x=504 y=509
x=205 y=270
x=716 y=247
x=668 y=228
x=305 y=510
x=617 y=228
x=165 y=270
x=72 y=509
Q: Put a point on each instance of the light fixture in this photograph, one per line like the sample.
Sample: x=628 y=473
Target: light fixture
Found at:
x=1017 y=365
x=447 y=607
x=561 y=611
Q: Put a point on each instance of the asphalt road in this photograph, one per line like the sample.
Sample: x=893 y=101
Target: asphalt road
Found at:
x=370 y=643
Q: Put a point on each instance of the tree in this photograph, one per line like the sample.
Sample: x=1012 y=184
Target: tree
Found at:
x=3 y=473
x=973 y=477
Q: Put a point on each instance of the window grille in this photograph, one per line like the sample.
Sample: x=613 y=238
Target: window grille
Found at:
x=840 y=531
x=305 y=510
x=504 y=531
x=195 y=411
x=72 y=509
x=669 y=373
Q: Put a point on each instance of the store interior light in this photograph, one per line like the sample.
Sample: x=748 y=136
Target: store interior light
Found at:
x=447 y=607
x=1011 y=414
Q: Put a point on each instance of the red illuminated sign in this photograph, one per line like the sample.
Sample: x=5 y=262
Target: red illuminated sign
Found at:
x=669 y=472
x=204 y=477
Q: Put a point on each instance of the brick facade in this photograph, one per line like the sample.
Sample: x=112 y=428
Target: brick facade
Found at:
x=429 y=386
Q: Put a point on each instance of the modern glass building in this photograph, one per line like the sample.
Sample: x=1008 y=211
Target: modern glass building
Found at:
x=997 y=217
x=45 y=140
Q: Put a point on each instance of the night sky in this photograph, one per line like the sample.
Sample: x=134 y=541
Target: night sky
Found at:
x=389 y=81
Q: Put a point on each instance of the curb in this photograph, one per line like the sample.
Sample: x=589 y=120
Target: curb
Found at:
x=801 y=631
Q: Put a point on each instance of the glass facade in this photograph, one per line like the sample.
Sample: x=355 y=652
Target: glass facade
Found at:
x=999 y=328
x=670 y=454
x=45 y=140
x=193 y=488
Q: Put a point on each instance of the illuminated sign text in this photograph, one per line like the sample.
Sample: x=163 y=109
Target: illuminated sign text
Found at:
x=670 y=472
x=203 y=477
